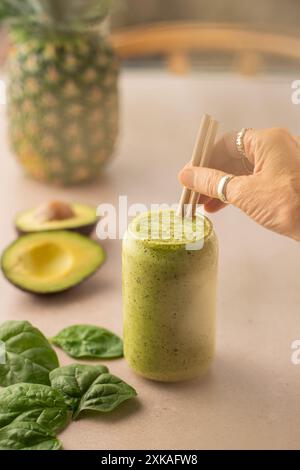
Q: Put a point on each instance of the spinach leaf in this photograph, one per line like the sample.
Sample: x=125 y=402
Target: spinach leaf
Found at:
x=89 y=341
x=33 y=402
x=22 y=435
x=29 y=356
x=90 y=388
x=74 y=380
x=105 y=394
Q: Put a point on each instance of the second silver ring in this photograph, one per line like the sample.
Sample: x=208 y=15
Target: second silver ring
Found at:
x=241 y=149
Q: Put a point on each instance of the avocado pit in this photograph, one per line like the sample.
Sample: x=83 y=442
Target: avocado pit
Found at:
x=57 y=215
x=54 y=210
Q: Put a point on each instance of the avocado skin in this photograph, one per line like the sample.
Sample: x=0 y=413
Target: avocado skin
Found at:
x=49 y=294
x=86 y=230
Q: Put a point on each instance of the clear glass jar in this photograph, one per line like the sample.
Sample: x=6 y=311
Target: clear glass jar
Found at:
x=169 y=301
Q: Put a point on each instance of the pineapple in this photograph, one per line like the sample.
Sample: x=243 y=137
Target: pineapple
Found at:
x=62 y=94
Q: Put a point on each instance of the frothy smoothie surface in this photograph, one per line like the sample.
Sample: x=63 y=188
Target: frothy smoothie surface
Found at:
x=167 y=228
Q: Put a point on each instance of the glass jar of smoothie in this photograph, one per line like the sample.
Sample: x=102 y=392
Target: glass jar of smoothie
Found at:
x=169 y=295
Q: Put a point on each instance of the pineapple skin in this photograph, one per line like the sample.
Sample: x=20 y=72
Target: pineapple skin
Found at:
x=63 y=107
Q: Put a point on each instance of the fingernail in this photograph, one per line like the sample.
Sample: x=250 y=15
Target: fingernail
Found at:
x=187 y=177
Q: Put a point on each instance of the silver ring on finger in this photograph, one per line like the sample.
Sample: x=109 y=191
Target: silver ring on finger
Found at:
x=239 y=142
x=222 y=186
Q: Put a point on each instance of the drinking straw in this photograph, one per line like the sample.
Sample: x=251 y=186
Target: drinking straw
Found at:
x=195 y=161
x=200 y=157
x=204 y=161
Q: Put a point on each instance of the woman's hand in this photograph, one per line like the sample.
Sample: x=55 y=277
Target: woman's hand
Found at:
x=271 y=195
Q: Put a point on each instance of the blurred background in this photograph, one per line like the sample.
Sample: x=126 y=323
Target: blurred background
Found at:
x=266 y=14
x=236 y=60
x=269 y=16
x=262 y=16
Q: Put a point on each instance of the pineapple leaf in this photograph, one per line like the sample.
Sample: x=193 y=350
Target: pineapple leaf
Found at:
x=66 y=14
x=9 y=9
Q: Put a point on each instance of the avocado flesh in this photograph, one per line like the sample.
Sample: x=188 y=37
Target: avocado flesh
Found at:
x=84 y=221
x=50 y=262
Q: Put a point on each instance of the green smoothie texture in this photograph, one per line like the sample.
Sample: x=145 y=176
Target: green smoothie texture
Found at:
x=169 y=295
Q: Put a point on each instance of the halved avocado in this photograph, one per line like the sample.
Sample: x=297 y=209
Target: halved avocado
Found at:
x=57 y=215
x=49 y=262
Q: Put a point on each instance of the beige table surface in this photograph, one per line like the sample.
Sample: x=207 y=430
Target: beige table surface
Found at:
x=250 y=398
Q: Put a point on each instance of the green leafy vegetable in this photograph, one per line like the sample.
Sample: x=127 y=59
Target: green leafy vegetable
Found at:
x=74 y=380
x=30 y=413
x=88 y=341
x=33 y=402
x=90 y=388
x=22 y=435
x=29 y=356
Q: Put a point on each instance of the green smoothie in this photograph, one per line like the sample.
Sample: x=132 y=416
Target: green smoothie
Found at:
x=169 y=295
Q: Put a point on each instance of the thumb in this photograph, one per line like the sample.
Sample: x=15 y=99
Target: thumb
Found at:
x=205 y=181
